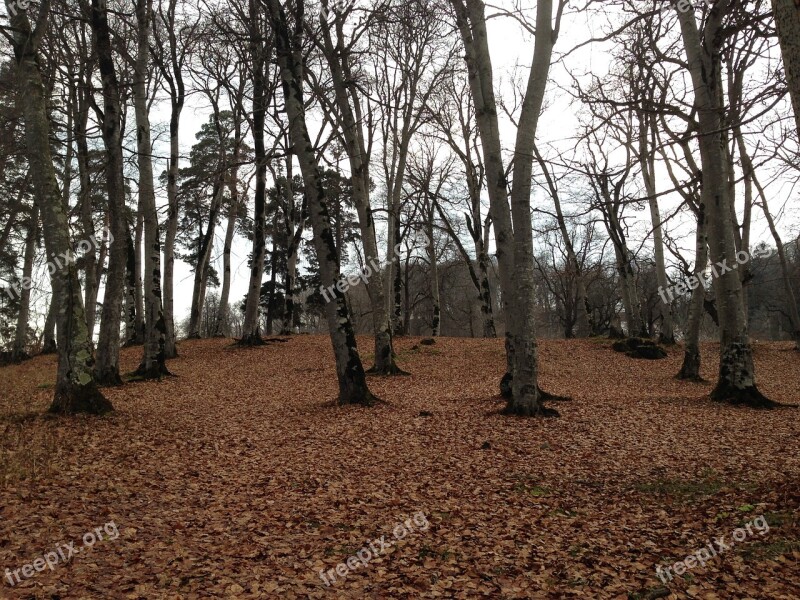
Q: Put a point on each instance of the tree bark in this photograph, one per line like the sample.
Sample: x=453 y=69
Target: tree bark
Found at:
x=251 y=332
x=49 y=345
x=359 y=157
x=787 y=21
x=737 y=382
x=155 y=335
x=107 y=368
x=172 y=70
x=514 y=244
x=350 y=372
x=691 y=355
x=19 y=349
x=75 y=389
x=223 y=314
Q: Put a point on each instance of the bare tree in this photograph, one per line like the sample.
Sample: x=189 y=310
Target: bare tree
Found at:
x=76 y=389
x=288 y=44
x=514 y=242
x=737 y=382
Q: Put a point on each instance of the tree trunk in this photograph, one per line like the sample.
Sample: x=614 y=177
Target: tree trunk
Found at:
x=289 y=303
x=691 y=355
x=794 y=316
x=75 y=389
x=223 y=316
x=90 y=263
x=107 y=368
x=204 y=258
x=358 y=155
x=49 y=345
x=19 y=350
x=132 y=337
x=350 y=372
x=155 y=336
x=787 y=21
x=487 y=313
x=138 y=290
x=582 y=299
x=514 y=244
x=170 y=347
x=737 y=381
x=436 y=316
x=251 y=332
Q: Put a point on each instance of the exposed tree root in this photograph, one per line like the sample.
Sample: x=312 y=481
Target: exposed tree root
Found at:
x=690 y=370
x=390 y=370
x=366 y=399
x=252 y=340
x=72 y=400
x=548 y=397
x=749 y=396
x=155 y=372
x=109 y=378
x=528 y=410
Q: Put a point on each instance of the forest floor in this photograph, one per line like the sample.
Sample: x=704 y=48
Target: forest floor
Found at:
x=240 y=478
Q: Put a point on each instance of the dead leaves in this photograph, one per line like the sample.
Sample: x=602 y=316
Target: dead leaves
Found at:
x=240 y=478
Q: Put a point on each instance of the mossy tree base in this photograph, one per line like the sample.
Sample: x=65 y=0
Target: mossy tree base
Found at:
x=529 y=407
x=155 y=372
x=252 y=340
x=389 y=370
x=639 y=348
x=108 y=378
x=748 y=396
x=72 y=400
